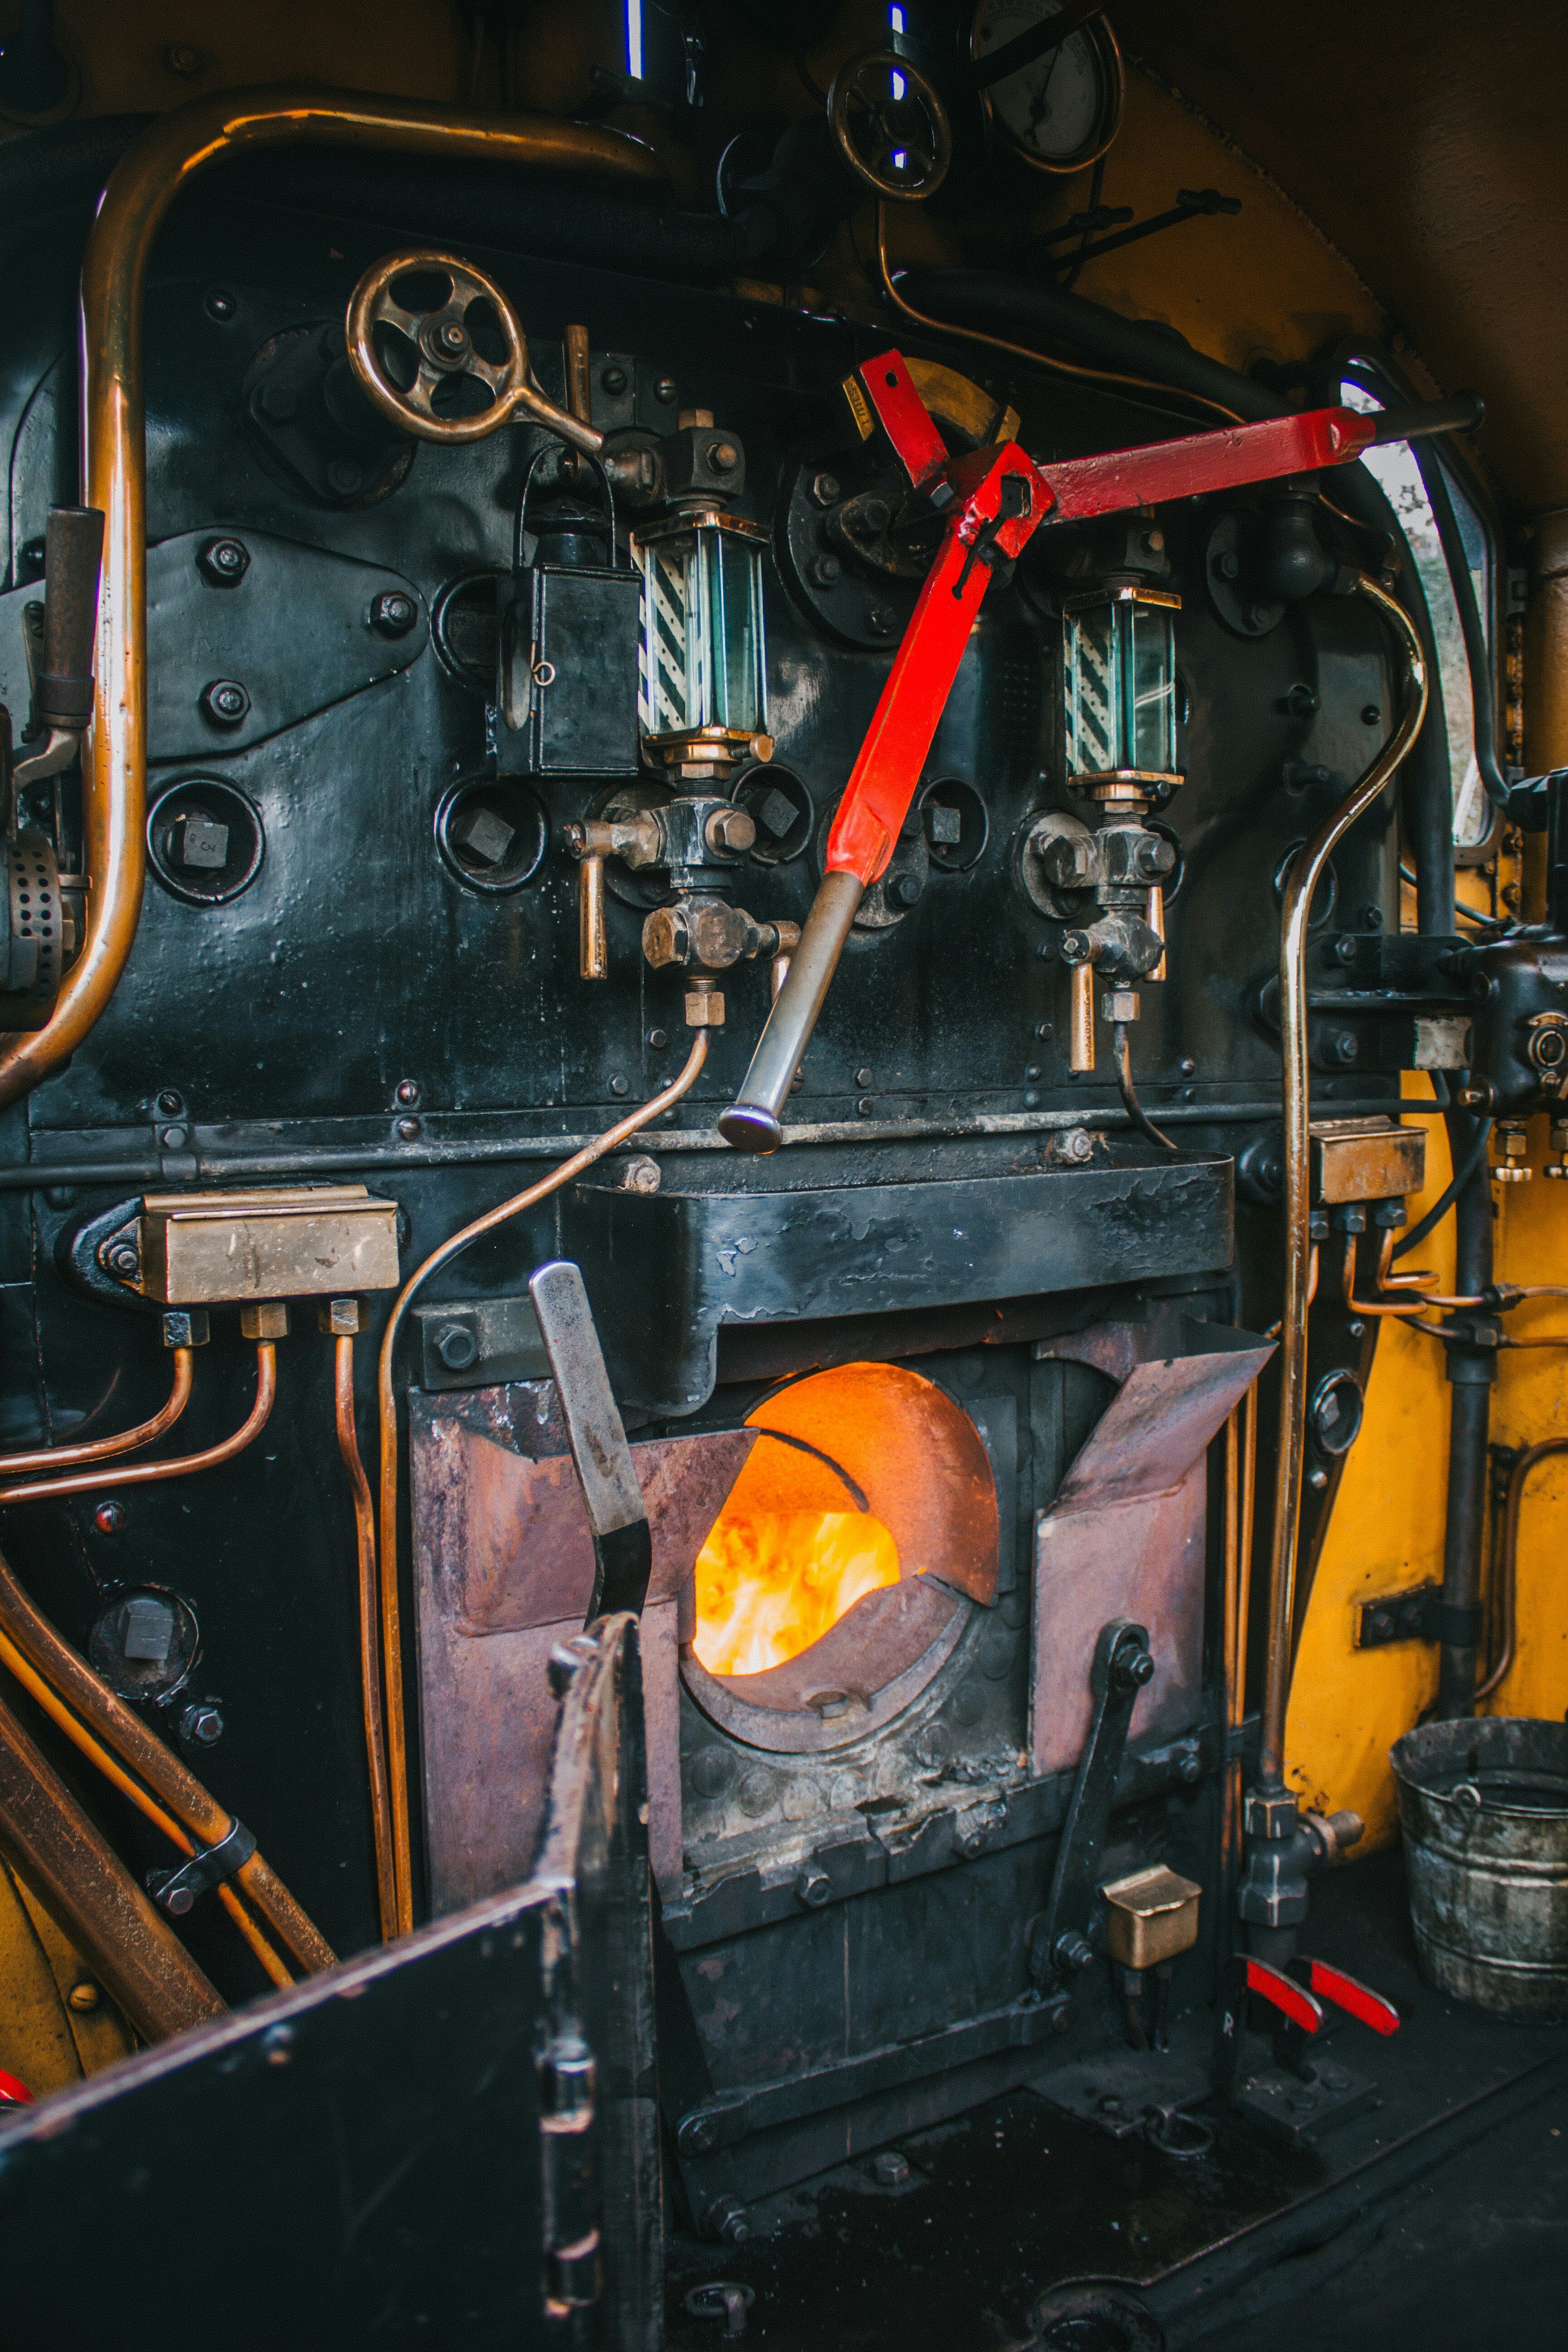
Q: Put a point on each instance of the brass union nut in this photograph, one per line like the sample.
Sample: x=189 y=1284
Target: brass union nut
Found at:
x=341 y=1316
x=268 y=1320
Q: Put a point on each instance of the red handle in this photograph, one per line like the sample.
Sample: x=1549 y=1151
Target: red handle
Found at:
x=1354 y=1998
x=1286 y=1995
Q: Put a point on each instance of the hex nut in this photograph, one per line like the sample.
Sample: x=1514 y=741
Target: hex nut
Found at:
x=813 y=1886
x=341 y=1317
x=891 y=2169
x=393 y=615
x=186 y=1326
x=266 y=1320
x=226 y=702
x=458 y=1345
x=201 y=1723
x=641 y=1175
x=825 y=490
x=223 y=562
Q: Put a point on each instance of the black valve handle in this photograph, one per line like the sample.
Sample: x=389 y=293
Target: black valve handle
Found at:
x=73 y=561
x=1465 y=413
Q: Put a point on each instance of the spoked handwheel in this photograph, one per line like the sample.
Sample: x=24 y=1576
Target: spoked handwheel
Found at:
x=441 y=339
x=891 y=127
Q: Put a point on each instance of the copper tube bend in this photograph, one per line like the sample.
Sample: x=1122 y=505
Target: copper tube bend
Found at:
x=125 y=1441
x=141 y=189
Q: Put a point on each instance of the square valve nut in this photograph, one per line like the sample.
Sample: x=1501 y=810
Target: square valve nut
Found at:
x=341 y=1317
x=1271 y=1814
x=268 y=1321
x=705 y=1008
x=1119 y=1004
x=186 y=1326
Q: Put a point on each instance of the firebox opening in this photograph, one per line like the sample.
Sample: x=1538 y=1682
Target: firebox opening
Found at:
x=847 y=1558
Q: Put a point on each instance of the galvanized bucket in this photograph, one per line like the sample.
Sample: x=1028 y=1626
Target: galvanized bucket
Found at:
x=1484 y=1805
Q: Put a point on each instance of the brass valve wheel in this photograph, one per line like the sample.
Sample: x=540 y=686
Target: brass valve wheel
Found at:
x=891 y=127
x=444 y=346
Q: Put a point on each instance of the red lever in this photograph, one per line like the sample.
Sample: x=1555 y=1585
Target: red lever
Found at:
x=1355 y=1998
x=1286 y=1995
x=13 y=2092
x=992 y=501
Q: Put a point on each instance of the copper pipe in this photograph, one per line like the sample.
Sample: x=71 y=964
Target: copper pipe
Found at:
x=1155 y=916
x=198 y=1813
x=391 y=1611
x=368 y=1637
x=1230 y=1619
x=89 y=1889
x=579 y=393
x=102 y=1449
x=1305 y=874
x=1507 y=1554
x=1405 y=1307
x=1081 y=1018
x=143 y=184
x=149 y=1474
x=1022 y=351
x=81 y=1739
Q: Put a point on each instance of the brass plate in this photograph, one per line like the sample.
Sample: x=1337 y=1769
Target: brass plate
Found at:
x=1365 y=1160
x=211 y=1249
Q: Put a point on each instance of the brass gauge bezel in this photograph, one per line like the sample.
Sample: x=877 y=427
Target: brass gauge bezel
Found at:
x=1108 y=54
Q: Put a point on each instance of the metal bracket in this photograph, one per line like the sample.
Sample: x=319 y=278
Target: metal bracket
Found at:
x=1122 y=1665
x=1408 y=1616
x=175 y=1891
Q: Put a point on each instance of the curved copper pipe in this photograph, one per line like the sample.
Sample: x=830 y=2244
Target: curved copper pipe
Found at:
x=141 y=189
x=53 y=1707
x=1508 y=1558
x=1405 y=1307
x=149 y=1474
x=1305 y=874
x=369 y=1638
x=391 y=1611
x=103 y=1449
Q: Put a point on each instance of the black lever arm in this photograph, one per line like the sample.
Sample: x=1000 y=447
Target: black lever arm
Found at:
x=62 y=676
x=1122 y=1665
x=622 y=1545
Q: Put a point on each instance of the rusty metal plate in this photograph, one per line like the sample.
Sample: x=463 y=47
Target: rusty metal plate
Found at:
x=1143 y=1560
x=503 y=1567
x=1156 y=1427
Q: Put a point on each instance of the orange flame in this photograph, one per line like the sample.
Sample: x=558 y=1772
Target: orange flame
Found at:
x=768 y=1583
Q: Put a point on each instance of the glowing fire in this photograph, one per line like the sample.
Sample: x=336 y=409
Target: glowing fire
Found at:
x=770 y=1582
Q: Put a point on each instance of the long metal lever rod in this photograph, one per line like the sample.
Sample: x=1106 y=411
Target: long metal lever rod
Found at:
x=623 y=1543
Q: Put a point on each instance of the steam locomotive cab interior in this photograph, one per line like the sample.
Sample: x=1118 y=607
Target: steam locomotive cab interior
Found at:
x=785 y=1019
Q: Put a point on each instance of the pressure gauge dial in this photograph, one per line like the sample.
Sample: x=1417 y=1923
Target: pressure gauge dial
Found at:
x=1058 y=110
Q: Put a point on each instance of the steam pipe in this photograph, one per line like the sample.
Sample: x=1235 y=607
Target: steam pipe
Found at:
x=1305 y=873
x=149 y=1474
x=369 y=1640
x=143 y=184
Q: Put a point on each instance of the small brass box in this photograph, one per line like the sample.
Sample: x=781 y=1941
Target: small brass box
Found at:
x=212 y=1249
x=1365 y=1160
x=1153 y=1915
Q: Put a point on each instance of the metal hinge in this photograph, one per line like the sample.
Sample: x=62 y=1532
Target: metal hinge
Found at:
x=574 y=2267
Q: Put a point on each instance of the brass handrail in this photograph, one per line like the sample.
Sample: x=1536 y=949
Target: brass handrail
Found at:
x=141 y=189
x=1305 y=874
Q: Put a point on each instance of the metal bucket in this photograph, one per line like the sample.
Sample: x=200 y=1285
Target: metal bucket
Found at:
x=1484 y=1805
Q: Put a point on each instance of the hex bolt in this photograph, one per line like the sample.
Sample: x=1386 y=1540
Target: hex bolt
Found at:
x=1189 y=1766
x=175 y=1138
x=344 y=479
x=825 y=490
x=891 y=2169
x=904 y=890
x=223 y=562
x=880 y=621
x=458 y=1345
x=865 y=1078
x=109 y=1518
x=1344 y=950
x=1073 y=1950
x=226 y=702
x=279 y=403
x=619 y=1086
x=659 y=1039
x=698 y=2134
x=729 y=831
x=813 y=1886
x=1342 y=1048
x=613 y=380
x=825 y=570
x=201 y=1723
x=723 y=456
x=122 y=1259
x=451 y=337
x=1301 y=702
x=393 y=613
x=1228 y=565
x=183 y=60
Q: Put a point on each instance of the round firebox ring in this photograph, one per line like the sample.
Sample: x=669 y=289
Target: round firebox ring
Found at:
x=881 y=1439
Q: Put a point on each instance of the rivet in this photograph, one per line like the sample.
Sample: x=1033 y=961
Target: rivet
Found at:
x=83 y=1996
x=109 y=1518
x=409 y=1130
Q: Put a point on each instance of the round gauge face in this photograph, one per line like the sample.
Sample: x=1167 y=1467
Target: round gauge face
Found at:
x=1061 y=110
